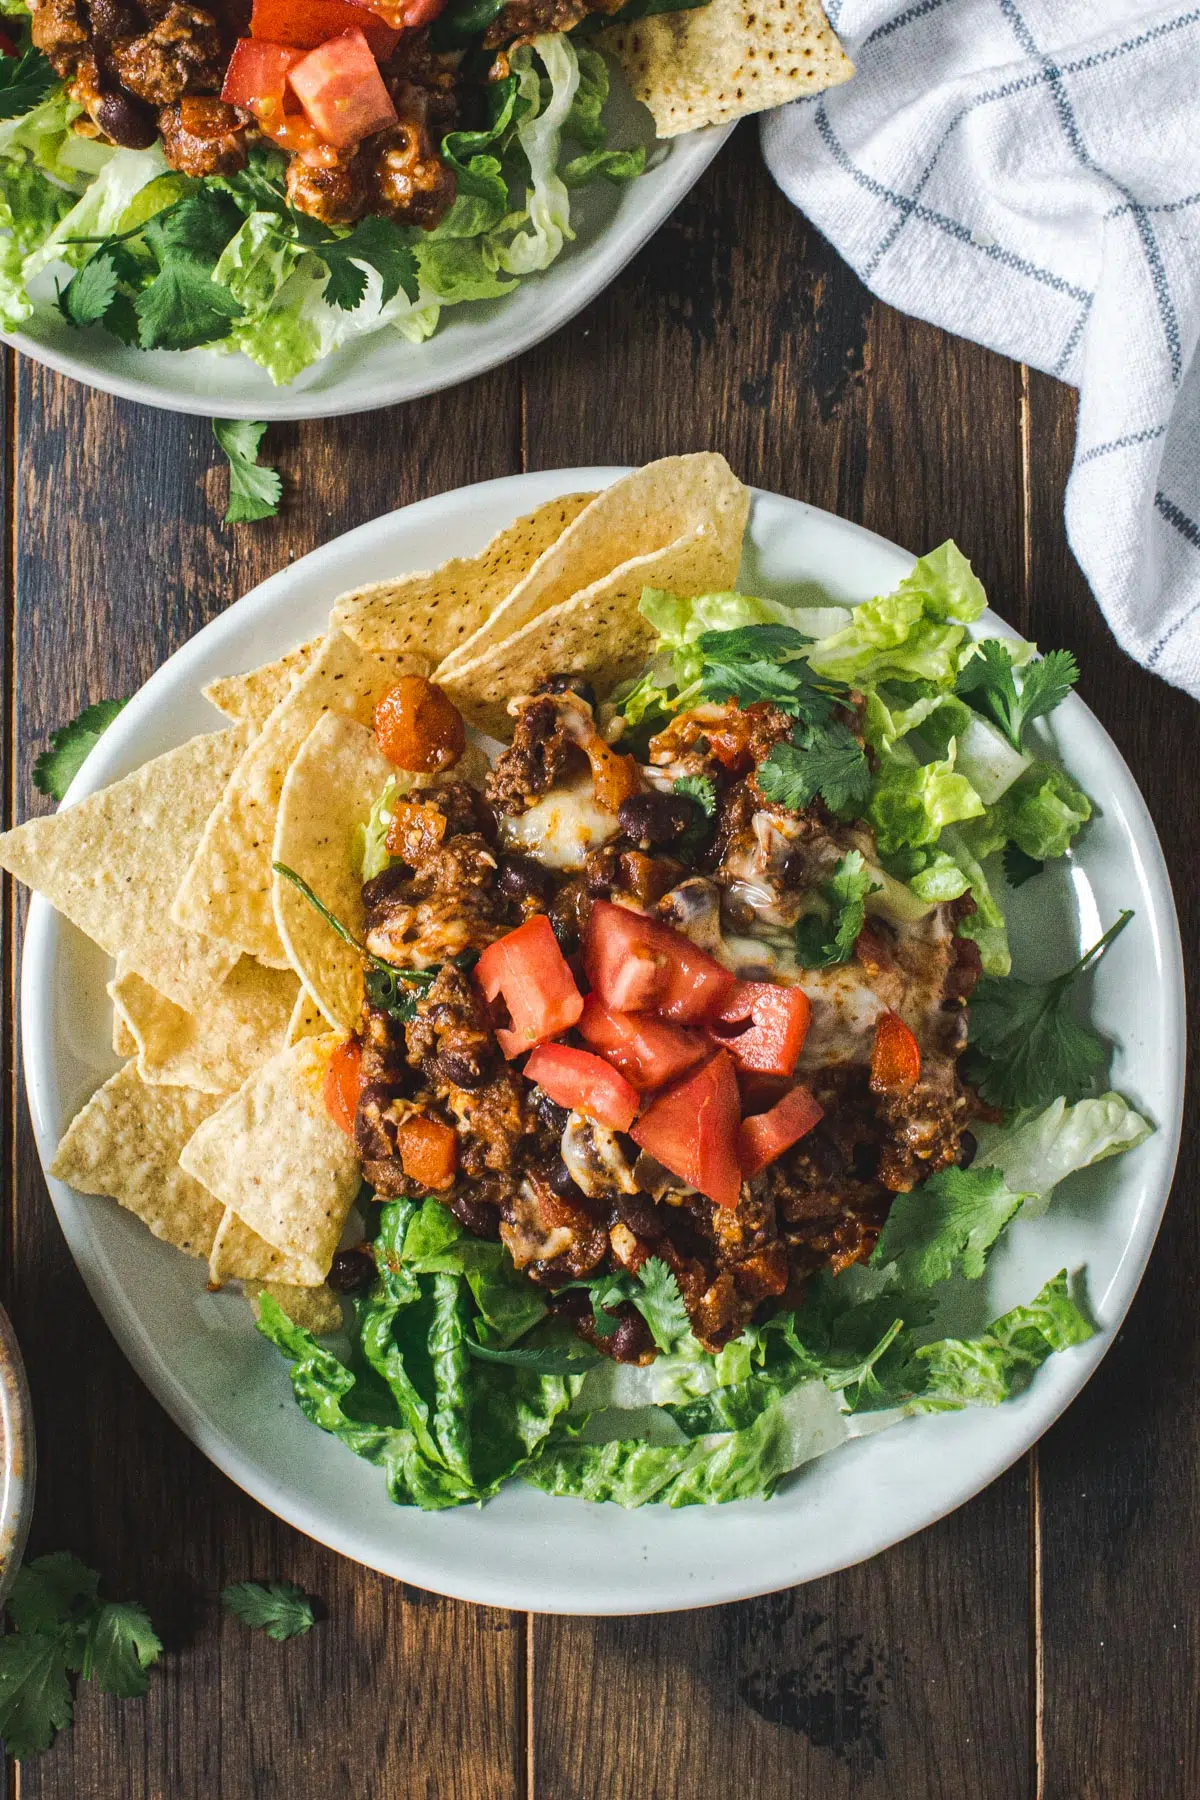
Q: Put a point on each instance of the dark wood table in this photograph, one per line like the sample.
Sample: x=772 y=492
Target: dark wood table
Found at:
x=1044 y=1641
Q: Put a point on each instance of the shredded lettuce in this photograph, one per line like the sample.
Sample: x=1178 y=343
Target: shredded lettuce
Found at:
x=370 y=850
x=914 y=633
x=1035 y=1152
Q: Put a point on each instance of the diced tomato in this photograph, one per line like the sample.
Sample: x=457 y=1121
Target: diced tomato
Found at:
x=691 y=1129
x=7 y=47
x=307 y=23
x=406 y=15
x=634 y=964
x=343 y=1079
x=527 y=970
x=763 y=1026
x=895 y=1056
x=341 y=90
x=257 y=76
x=428 y=1151
x=584 y=1083
x=647 y=1051
x=764 y=1136
x=418 y=728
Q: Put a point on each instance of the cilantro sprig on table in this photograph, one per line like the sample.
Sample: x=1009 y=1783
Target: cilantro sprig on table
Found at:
x=281 y=1609
x=57 y=767
x=1026 y=1048
x=987 y=683
x=822 y=942
x=254 y=487
x=62 y=1627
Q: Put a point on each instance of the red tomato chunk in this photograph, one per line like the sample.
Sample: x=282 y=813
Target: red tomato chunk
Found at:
x=634 y=964
x=307 y=23
x=341 y=90
x=584 y=1083
x=257 y=76
x=647 y=1052
x=764 y=1136
x=895 y=1056
x=343 y=1079
x=763 y=1026
x=526 y=969
x=691 y=1129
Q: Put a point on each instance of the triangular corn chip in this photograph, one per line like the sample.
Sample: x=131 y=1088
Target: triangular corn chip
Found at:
x=255 y=695
x=230 y=1034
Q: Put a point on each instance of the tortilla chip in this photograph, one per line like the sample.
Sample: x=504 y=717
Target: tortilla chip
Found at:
x=123 y=1041
x=330 y=790
x=111 y=863
x=307 y=1020
x=316 y=1310
x=274 y=1155
x=599 y=632
x=239 y=1254
x=435 y=613
x=643 y=513
x=256 y=694
x=728 y=58
x=226 y=891
x=216 y=1047
x=126 y=1143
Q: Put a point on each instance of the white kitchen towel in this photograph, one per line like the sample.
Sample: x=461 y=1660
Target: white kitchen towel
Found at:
x=1027 y=173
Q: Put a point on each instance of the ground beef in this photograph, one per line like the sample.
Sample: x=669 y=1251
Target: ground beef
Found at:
x=181 y=54
x=443 y=899
x=529 y=18
x=720 y=740
x=544 y=753
x=450 y=1042
x=202 y=137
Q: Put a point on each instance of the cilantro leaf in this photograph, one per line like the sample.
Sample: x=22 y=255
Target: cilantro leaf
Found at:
x=89 y=294
x=829 y=761
x=121 y=1645
x=1018 y=867
x=1026 y=1049
x=379 y=243
x=987 y=683
x=550 y=1361
x=24 y=82
x=822 y=942
x=658 y=1299
x=747 y=664
x=52 y=1591
x=952 y=1219
x=56 y=768
x=254 y=488
x=700 y=789
x=279 y=1608
x=183 y=307
x=35 y=1694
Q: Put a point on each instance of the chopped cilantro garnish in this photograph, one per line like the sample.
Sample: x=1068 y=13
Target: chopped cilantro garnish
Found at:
x=254 y=488
x=378 y=242
x=62 y=1627
x=951 y=1220
x=1026 y=1049
x=658 y=1299
x=987 y=683
x=700 y=789
x=828 y=761
x=279 y=1608
x=822 y=942
x=24 y=82
x=56 y=768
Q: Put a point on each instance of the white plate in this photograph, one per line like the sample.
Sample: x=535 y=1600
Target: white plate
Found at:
x=228 y=1388
x=612 y=223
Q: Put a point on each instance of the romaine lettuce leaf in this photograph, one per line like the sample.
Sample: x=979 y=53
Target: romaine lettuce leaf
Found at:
x=509 y=1303
x=911 y=806
x=914 y=633
x=985 y=1371
x=1035 y=1152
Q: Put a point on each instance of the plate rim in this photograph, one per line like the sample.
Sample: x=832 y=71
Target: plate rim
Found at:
x=688 y=158
x=288 y=1502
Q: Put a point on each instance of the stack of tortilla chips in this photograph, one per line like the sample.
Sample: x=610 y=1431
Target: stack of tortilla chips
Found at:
x=230 y=992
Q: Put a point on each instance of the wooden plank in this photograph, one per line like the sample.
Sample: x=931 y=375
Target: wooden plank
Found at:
x=121 y=557
x=738 y=328
x=1120 y=1490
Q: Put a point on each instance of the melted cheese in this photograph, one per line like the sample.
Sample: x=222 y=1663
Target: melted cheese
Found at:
x=561 y=828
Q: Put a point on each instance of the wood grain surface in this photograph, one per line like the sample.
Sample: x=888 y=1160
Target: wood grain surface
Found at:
x=1040 y=1642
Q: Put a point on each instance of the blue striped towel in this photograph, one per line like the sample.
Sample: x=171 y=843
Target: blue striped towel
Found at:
x=1027 y=173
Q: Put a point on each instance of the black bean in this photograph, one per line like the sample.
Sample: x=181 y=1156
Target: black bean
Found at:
x=654 y=818
x=865 y=1158
x=110 y=20
x=553 y=1116
x=631 y=1340
x=479 y=1219
x=562 y=1181
x=461 y=1069
x=967 y=1146
x=523 y=878
x=568 y=684
x=384 y=886
x=640 y=1214
x=126 y=121
x=351 y=1271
